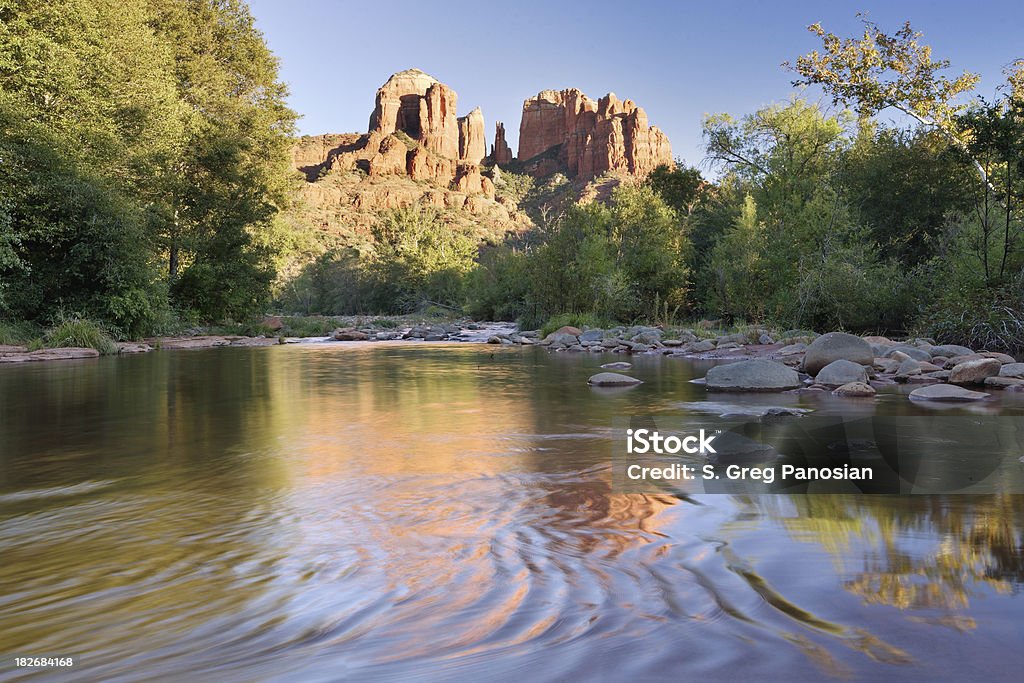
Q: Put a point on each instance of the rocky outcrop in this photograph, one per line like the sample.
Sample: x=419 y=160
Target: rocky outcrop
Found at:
x=501 y=153
x=472 y=145
x=566 y=130
x=413 y=131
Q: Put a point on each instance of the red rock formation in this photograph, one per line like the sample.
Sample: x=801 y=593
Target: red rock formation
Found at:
x=500 y=152
x=390 y=160
x=472 y=145
x=414 y=132
x=424 y=165
x=439 y=129
x=586 y=138
x=397 y=105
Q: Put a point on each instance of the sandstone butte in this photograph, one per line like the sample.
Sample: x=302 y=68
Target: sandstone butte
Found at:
x=564 y=130
x=414 y=132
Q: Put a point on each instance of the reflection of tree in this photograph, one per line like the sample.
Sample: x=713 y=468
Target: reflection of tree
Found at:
x=918 y=551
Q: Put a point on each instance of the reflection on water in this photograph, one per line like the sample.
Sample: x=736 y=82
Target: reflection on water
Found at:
x=435 y=511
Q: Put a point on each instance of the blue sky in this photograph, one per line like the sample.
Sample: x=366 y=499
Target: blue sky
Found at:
x=678 y=60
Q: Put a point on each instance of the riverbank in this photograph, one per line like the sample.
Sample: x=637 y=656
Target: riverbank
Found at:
x=752 y=359
x=799 y=361
x=274 y=330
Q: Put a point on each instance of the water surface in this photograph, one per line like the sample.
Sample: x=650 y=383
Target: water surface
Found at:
x=444 y=512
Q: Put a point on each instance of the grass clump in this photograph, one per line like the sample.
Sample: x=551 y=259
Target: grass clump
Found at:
x=17 y=333
x=79 y=332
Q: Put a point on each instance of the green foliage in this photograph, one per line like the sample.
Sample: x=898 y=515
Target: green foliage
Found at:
x=513 y=186
x=418 y=260
x=879 y=70
x=133 y=134
x=498 y=288
x=903 y=187
x=679 y=186
x=17 y=333
x=79 y=332
x=978 y=318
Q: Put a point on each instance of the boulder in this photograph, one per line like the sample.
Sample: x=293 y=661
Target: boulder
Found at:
x=836 y=346
x=592 y=336
x=957 y=360
x=855 y=389
x=699 y=346
x=841 y=372
x=974 y=371
x=911 y=351
x=1001 y=357
x=349 y=334
x=909 y=367
x=997 y=382
x=752 y=375
x=272 y=322
x=946 y=392
x=887 y=365
x=612 y=379
x=617 y=366
x=649 y=336
x=950 y=350
x=1012 y=370
x=765 y=339
x=566 y=329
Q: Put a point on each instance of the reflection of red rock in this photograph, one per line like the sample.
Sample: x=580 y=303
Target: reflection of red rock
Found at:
x=572 y=132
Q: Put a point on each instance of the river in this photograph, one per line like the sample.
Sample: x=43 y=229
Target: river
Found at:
x=324 y=512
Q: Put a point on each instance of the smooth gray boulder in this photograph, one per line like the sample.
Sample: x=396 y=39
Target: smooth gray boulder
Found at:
x=1012 y=370
x=592 y=336
x=752 y=375
x=620 y=365
x=699 y=346
x=836 y=346
x=974 y=371
x=840 y=372
x=612 y=379
x=950 y=350
x=946 y=392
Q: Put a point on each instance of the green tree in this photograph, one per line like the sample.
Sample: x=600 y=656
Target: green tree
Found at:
x=679 y=186
x=418 y=260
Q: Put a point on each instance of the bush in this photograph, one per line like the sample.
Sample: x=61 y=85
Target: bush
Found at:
x=77 y=332
x=499 y=287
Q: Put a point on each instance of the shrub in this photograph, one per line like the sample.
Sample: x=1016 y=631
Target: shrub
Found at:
x=78 y=332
